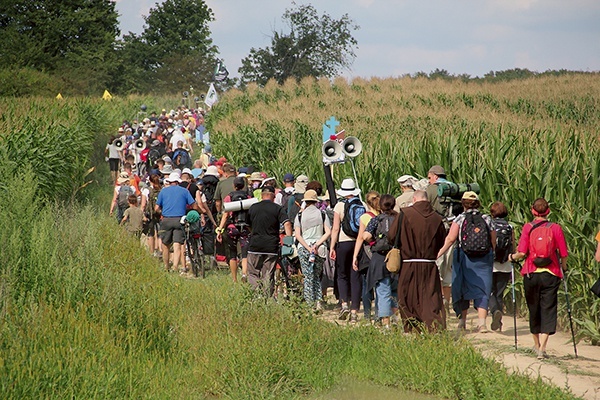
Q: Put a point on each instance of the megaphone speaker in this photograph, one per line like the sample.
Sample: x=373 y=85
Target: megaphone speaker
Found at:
x=140 y=144
x=119 y=144
x=351 y=146
x=331 y=150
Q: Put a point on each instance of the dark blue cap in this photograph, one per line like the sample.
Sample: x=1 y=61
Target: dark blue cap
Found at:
x=288 y=177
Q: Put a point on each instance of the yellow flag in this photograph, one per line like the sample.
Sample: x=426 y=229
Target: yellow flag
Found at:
x=59 y=97
x=106 y=95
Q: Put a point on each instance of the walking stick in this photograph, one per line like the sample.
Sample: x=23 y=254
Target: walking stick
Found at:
x=569 y=312
x=514 y=302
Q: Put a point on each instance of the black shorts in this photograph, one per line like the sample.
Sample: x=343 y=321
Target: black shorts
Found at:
x=113 y=164
x=541 y=293
x=171 y=231
x=231 y=245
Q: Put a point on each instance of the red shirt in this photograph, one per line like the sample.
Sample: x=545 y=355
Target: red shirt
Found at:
x=560 y=244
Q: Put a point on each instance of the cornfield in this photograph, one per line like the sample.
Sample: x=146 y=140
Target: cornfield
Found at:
x=519 y=140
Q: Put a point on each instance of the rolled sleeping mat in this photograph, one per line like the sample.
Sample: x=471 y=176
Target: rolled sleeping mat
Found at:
x=238 y=205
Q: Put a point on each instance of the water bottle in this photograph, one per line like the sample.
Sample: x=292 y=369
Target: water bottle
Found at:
x=311 y=258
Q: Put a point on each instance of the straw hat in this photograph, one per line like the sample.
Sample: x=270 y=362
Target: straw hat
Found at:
x=256 y=176
x=311 y=195
x=470 y=196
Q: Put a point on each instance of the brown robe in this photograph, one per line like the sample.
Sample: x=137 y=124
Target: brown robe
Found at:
x=419 y=285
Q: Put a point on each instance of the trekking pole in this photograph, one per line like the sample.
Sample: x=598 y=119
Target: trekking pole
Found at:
x=569 y=311
x=514 y=300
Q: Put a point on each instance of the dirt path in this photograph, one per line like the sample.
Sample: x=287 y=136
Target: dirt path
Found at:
x=581 y=375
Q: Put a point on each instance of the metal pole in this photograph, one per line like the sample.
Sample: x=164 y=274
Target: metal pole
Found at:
x=514 y=301
x=569 y=312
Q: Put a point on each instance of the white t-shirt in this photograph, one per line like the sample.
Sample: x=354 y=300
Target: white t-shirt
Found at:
x=112 y=151
x=176 y=138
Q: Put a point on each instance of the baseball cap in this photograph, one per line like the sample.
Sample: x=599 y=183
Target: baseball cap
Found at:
x=268 y=189
x=288 y=177
x=470 y=196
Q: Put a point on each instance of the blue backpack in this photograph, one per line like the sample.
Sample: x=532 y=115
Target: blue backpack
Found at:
x=353 y=209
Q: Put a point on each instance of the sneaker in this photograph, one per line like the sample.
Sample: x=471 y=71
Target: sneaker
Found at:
x=318 y=306
x=482 y=329
x=542 y=355
x=497 y=320
x=353 y=318
x=462 y=324
x=344 y=313
x=244 y=278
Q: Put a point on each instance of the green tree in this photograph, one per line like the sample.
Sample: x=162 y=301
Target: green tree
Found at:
x=174 y=51
x=318 y=46
x=72 y=40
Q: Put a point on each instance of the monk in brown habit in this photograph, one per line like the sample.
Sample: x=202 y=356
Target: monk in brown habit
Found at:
x=419 y=286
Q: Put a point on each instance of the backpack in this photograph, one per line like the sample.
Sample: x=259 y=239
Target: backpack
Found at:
x=541 y=243
x=124 y=192
x=153 y=157
x=475 y=237
x=293 y=205
x=210 y=187
x=504 y=242
x=380 y=242
x=182 y=159
x=151 y=203
x=285 y=198
x=239 y=218
x=353 y=209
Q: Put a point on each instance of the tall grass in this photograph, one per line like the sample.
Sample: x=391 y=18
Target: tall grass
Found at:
x=518 y=140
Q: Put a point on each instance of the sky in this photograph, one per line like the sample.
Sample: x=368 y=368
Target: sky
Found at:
x=398 y=37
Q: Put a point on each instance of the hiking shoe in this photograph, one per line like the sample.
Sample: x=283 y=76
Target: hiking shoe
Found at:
x=344 y=313
x=353 y=318
x=497 y=320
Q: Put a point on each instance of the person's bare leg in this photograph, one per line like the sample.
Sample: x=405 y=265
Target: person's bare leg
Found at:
x=165 y=255
x=233 y=266
x=482 y=315
x=183 y=260
x=176 y=256
x=543 y=341
x=244 y=267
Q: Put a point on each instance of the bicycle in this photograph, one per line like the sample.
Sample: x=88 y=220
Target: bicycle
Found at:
x=193 y=241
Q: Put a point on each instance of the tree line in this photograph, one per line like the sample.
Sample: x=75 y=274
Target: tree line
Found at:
x=76 y=48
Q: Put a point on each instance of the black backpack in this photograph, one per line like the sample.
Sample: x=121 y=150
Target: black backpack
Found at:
x=504 y=242
x=153 y=156
x=353 y=209
x=381 y=243
x=475 y=238
x=293 y=205
x=151 y=203
x=285 y=198
x=210 y=187
x=239 y=218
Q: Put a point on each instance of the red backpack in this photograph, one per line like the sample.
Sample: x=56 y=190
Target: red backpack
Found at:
x=541 y=243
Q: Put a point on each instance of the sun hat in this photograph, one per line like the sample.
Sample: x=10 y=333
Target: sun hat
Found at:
x=470 y=196
x=437 y=170
x=167 y=169
x=155 y=143
x=407 y=180
x=212 y=171
x=255 y=176
x=348 y=188
x=325 y=197
x=187 y=171
x=269 y=179
x=173 y=177
x=421 y=184
x=167 y=159
x=311 y=195
x=300 y=185
x=123 y=178
x=288 y=177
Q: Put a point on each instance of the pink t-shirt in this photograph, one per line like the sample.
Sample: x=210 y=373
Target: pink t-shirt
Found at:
x=560 y=244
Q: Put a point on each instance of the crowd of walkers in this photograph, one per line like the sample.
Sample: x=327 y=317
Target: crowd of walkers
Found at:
x=453 y=254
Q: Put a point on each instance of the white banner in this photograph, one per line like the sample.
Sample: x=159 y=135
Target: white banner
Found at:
x=211 y=96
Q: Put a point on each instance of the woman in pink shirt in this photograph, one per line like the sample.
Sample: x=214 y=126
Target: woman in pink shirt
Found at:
x=541 y=244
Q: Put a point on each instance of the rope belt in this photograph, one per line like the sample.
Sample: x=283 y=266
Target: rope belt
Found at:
x=418 y=260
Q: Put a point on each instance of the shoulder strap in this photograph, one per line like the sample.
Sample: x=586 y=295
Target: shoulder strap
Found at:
x=534 y=226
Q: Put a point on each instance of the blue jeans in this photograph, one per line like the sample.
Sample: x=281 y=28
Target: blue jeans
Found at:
x=385 y=300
